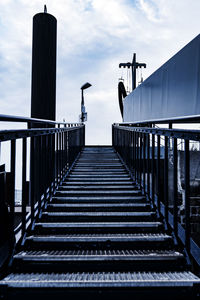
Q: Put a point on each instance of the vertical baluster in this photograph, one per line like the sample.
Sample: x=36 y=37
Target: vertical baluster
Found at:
x=175 y=188
x=65 y=163
x=62 y=146
x=129 y=149
x=144 y=162
x=60 y=158
x=138 y=155
x=187 y=196
x=158 y=173
x=166 y=180
x=39 y=175
x=134 y=154
x=44 y=167
x=54 y=160
x=153 y=169
x=69 y=147
x=140 y=160
x=148 y=165
x=57 y=158
x=63 y=152
x=47 y=164
x=52 y=163
x=24 y=153
x=12 y=189
x=136 y=148
x=32 y=179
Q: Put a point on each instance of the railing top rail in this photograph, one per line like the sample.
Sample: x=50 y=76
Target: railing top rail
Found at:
x=187 y=119
x=10 y=118
x=188 y=134
x=6 y=135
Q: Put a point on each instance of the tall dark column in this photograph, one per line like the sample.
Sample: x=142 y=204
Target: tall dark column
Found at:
x=43 y=90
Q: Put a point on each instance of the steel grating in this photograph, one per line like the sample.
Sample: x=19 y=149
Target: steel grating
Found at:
x=99 y=254
x=104 y=279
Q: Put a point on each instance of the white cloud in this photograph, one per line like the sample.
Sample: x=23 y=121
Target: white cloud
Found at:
x=94 y=36
x=150 y=9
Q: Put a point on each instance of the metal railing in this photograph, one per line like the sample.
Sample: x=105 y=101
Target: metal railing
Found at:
x=47 y=154
x=163 y=172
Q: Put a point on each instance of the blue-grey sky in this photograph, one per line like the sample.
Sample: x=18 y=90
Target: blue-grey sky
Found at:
x=94 y=36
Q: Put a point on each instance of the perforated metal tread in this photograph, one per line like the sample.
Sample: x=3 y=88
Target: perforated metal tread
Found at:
x=98 y=175
x=151 y=237
x=96 y=214
x=101 y=224
x=100 y=168
x=96 y=187
x=121 y=199
x=98 y=180
x=132 y=192
x=99 y=255
x=86 y=280
x=99 y=205
x=102 y=173
x=98 y=183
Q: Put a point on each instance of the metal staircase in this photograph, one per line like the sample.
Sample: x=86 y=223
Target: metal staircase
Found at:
x=99 y=236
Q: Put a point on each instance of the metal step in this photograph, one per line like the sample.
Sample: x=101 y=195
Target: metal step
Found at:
x=99 y=176
x=97 y=216
x=98 y=183
x=99 y=255
x=98 y=164
x=62 y=198
x=96 y=187
x=98 y=152
x=89 y=168
x=98 y=180
x=92 y=193
x=96 y=260
x=101 y=280
x=102 y=173
x=93 y=164
x=98 y=207
x=100 y=241
x=99 y=160
x=97 y=227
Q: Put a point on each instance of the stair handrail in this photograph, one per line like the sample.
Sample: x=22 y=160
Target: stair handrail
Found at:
x=47 y=154
x=145 y=150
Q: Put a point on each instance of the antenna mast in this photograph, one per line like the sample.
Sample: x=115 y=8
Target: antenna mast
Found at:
x=134 y=65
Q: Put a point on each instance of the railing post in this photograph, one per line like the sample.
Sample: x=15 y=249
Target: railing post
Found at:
x=32 y=180
x=140 y=161
x=187 y=196
x=57 y=158
x=153 y=169
x=175 y=188
x=24 y=153
x=12 y=190
x=166 y=201
x=137 y=158
x=144 y=162
x=134 y=155
x=148 y=165
x=158 y=173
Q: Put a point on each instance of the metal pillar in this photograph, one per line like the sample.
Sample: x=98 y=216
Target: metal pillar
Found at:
x=43 y=90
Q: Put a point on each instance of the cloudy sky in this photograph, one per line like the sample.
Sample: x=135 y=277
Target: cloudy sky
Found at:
x=94 y=36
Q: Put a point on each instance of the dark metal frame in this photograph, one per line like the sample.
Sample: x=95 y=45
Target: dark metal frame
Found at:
x=143 y=165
